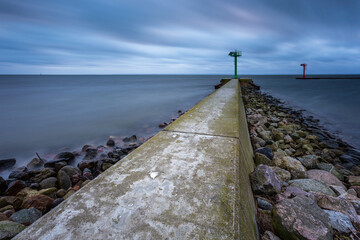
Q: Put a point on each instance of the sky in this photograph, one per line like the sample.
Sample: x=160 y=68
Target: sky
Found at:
x=179 y=37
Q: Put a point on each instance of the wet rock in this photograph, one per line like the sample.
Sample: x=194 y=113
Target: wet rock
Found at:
x=65 y=156
x=340 y=222
x=263 y=204
x=301 y=218
x=26 y=216
x=57 y=164
x=269 y=236
x=40 y=202
x=20 y=173
x=10 y=200
x=3 y=185
x=266 y=151
x=133 y=138
x=48 y=183
x=331 y=169
x=7 y=163
x=356 y=189
x=329 y=144
x=86 y=164
x=264 y=181
x=64 y=180
x=354 y=180
x=14 y=188
x=110 y=142
x=292 y=165
x=57 y=202
x=34 y=186
x=90 y=154
x=309 y=161
x=71 y=171
x=35 y=163
x=262 y=159
x=337 y=204
x=282 y=174
x=88 y=175
x=41 y=174
x=324 y=177
x=9 y=229
x=312 y=185
x=8 y=213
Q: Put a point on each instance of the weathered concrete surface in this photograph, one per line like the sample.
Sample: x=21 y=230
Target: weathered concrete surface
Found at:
x=184 y=183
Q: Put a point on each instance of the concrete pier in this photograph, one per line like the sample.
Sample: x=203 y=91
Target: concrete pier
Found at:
x=190 y=181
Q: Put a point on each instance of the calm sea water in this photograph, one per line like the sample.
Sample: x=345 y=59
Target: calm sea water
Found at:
x=336 y=102
x=48 y=114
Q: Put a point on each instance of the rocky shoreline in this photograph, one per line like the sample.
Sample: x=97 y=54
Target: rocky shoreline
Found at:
x=306 y=182
x=33 y=190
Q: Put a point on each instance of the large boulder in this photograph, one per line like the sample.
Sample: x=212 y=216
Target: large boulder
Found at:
x=291 y=192
x=41 y=174
x=14 y=188
x=7 y=163
x=40 y=202
x=64 y=180
x=26 y=216
x=282 y=174
x=71 y=171
x=325 y=177
x=65 y=156
x=265 y=181
x=340 y=222
x=331 y=169
x=86 y=164
x=312 y=185
x=36 y=163
x=9 y=229
x=10 y=200
x=301 y=218
x=48 y=183
x=292 y=165
x=20 y=173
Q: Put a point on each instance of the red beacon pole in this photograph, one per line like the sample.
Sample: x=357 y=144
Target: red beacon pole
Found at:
x=304 y=66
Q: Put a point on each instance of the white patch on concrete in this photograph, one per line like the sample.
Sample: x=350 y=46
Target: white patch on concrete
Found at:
x=153 y=175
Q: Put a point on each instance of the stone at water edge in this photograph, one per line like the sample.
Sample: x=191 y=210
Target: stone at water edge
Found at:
x=48 y=183
x=312 y=185
x=9 y=229
x=110 y=142
x=71 y=171
x=3 y=185
x=64 y=180
x=292 y=165
x=41 y=174
x=7 y=163
x=340 y=222
x=40 y=202
x=325 y=177
x=35 y=163
x=264 y=181
x=301 y=218
x=14 y=188
x=26 y=216
x=65 y=156
x=266 y=151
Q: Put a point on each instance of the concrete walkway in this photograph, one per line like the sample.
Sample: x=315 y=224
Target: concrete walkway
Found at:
x=184 y=183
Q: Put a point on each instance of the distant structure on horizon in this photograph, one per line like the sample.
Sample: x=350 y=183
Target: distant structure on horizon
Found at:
x=235 y=54
x=304 y=67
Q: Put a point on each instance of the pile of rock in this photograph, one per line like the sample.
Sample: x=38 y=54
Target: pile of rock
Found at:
x=306 y=181
x=34 y=190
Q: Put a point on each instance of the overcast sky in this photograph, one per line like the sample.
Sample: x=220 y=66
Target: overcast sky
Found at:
x=179 y=37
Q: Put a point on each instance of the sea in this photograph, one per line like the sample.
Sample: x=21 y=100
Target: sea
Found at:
x=47 y=114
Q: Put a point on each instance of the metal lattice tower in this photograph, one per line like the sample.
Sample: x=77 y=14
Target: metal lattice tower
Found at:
x=235 y=54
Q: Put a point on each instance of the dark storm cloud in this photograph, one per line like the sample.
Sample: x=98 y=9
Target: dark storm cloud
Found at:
x=108 y=36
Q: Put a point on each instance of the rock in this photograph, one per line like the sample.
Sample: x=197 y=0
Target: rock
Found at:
x=106 y=166
x=57 y=164
x=71 y=171
x=61 y=193
x=262 y=159
x=264 y=181
x=40 y=202
x=340 y=222
x=48 y=183
x=26 y=216
x=309 y=161
x=263 y=204
x=64 y=180
x=282 y=174
x=355 y=170
x=331 y=169
x=85 y=182
x=337 y=204
x=14 y=188
x=291 y=192
x=301 y=218
x=7 y=163
x=10 y=200
x=90 y=154
x=50 y=192
x=292 y=165
x=57 y=202
x=269 y=236
x=312 y=185
x=288 y=139
x=35 y=186
x=110 y=142
x=88 y=175
x=329 y=144
x=9 y=229
x=41 y=174
x=354 y=180
x=19 y=173
x=3 y=217
x=69 y=193
x=264 y=220
x=266 y=151
x=3 y=185
x=260 y=141
x=277 y=134
x=65 y=156
x=337 y=189
x=324 y=177
x=35 y=163
x=266 y=135
x=86 y=164
x=352 y=192
x=357 y=190
x=302 y=134
x=9 y=212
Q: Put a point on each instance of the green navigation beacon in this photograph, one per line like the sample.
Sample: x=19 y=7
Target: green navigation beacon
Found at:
x=235 y=55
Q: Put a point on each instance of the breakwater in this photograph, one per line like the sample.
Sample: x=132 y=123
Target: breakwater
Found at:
x=188 y=181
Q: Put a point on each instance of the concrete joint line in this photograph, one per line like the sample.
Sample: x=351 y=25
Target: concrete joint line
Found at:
x=204 y=134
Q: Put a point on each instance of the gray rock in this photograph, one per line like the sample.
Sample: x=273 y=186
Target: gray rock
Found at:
x=35 y=163
x=9 y=229
x=312 y=185
x=331 y=169
x=20 y=173
x=266 y=151
x=292 y=165
x=262 y=159
x=7 y=163
x=309 y=161
x=48 y=183
x=26 y=216
x=110 y=142
x=264 y=181
x=41 y=174
x=71 y=171
x=64 y=180
x=263 y=204
x=301 y=218
x=282 y=174
x=325 y=177
x=269 y=236
x=340 y=221
x=65 y=156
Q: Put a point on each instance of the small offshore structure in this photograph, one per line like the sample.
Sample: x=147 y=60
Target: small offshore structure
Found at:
x=235 y=54
x=304 y=67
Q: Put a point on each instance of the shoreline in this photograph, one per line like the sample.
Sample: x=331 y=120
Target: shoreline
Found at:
x=303 y=174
